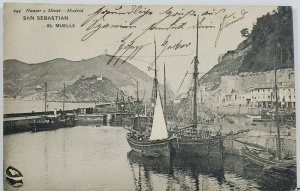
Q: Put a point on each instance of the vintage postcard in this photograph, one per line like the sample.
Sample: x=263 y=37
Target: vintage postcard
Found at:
x=102 y=97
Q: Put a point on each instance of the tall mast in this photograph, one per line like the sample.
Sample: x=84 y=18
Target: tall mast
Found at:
x=165 y=90
x=137 y=98
x=196 y=80
x=155 y=70
x=155 y=83
x=64 y=98
x=129 y=104
x=138 y=103
x=45 y=98
x=145 y=107
x=137 y=91
x=276 y=116
x=145 y=104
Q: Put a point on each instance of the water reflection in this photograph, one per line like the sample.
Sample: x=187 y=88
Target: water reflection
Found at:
x=181 y=172
x=99 y=158
x=186 y=173
x=269 y=180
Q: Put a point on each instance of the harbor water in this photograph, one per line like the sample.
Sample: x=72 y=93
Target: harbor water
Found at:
x=99 y=158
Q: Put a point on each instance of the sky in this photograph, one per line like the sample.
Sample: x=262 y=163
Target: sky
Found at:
x=31 y=34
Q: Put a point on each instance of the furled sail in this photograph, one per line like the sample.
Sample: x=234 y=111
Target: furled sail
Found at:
x=159 y=127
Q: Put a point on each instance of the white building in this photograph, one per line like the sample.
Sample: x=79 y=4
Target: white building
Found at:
x=235 y=98
x=264 y=95
x=287 y=96
x=100 y=78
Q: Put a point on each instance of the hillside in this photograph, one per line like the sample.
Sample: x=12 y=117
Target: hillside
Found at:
x=24 y=80
x=269 y=45
x=229 y=64
x=85 y=89
x=272 y=43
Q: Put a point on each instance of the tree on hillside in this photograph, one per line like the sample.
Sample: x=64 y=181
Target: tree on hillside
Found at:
x=245 y=32
x=272 y=42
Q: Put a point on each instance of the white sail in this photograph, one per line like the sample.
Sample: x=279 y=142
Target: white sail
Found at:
x=159 y=127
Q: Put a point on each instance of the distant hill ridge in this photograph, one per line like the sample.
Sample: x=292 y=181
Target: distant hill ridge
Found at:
x=22 y=79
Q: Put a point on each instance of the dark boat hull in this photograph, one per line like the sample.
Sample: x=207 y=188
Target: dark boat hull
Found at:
x=14 y=177
x=157 y=148
x=263 y=162
x=211 y=147
x=46 y=126
x=14 y=183
x=37 y=127
x=69 y=123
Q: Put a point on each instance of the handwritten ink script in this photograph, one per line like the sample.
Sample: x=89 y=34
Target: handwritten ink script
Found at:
x=136 y=25
x=137 y=21
x=229 y=20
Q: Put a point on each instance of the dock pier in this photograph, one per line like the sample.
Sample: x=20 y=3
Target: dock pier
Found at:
x=19 y=122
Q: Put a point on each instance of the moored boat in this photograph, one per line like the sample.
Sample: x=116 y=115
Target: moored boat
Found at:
x=195 y=145
x=195 y=139
x=14 y=177
x=68 y=119
x=46 y=123
x=263 y=158
x=150 y=148
x=273 y=162
x=53 y=122
x=156 y=143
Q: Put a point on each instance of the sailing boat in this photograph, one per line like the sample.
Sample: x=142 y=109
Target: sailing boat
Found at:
x=158 y=143
x=193 y=139
x=272 y=161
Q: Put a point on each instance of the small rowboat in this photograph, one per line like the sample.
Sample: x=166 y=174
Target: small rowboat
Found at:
x=14 y=177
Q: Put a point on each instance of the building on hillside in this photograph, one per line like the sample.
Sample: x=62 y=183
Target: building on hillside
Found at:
x=99 y=78
x=252 y=90
x=235 y=98
x=287 y=96
x=264 y=95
